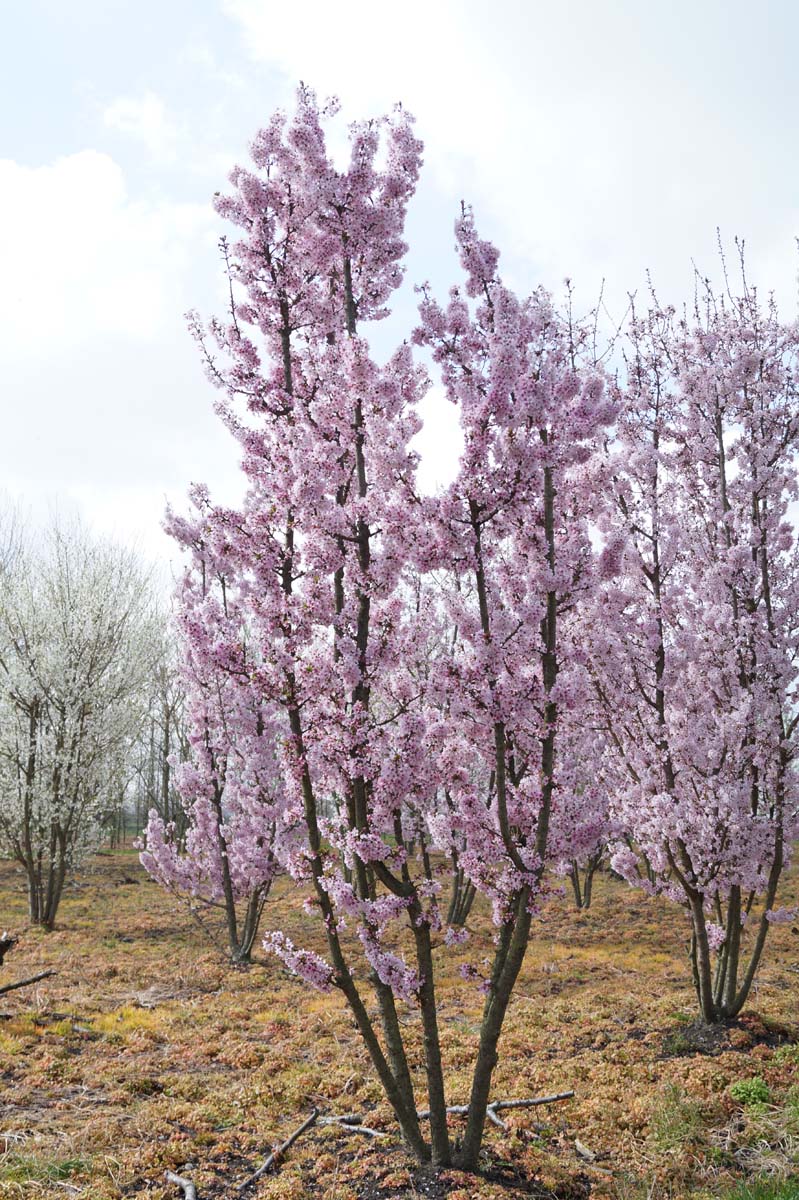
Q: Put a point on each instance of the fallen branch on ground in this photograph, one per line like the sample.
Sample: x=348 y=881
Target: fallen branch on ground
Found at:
x=501 y=1105
x=352 y=1122
x=498 y=1105
x=279 y=1152
x=189 y=1190
x=10 y=987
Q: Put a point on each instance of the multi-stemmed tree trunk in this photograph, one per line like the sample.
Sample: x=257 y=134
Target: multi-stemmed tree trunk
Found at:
x=331 y=536
x=581 y=878
x=242 y=912
x=462 y=895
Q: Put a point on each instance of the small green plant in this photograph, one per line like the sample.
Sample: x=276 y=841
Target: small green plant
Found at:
x=765 y=1189
x=677 y=1119
x=788 y=1053
x=676 y=1044
x=719 y=1156
x=751 y=1092
x=16 y=1168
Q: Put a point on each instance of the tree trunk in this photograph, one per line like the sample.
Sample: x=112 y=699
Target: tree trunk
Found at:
x=242 y=950
x=461 y=897
x=588 y=883
x=507 y=964
x=703 y=980
x=55 y=885
x=574 y=876
x=34 y=897
x=432 y=1046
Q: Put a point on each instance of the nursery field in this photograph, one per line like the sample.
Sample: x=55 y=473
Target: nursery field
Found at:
x=147 y=1053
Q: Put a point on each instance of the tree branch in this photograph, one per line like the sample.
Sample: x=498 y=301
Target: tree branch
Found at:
x=277 y=1154
x=189 y=1190
x=10 y=987
x=500 y=1105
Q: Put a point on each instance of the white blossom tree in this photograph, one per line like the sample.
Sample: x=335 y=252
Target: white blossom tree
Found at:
x=76 y=639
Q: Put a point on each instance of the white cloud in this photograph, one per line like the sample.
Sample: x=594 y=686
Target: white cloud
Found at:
x=595 y=140
x=145 y=119
x=109 y=407
x=82 y=261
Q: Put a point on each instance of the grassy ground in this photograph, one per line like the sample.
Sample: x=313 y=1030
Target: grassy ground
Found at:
x=146 y=1053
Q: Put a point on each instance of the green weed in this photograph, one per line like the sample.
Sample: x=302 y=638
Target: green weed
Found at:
x=677 y=1120
x=20 y=1169
x=751 y=1092
x=765 y=1189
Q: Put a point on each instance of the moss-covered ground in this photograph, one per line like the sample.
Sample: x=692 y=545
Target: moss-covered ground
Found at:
x=147 y=1052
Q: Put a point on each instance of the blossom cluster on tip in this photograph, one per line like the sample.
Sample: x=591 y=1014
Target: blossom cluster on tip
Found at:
x=309 y=966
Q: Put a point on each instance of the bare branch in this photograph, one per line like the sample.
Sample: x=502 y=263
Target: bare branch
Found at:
x=10 y=987
x=277 y=1154
x=189 y=1190
x=500 y=1105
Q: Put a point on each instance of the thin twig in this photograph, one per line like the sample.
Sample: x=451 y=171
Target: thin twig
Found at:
x=9 y=987
x=189 y=1190
x=279 y=1152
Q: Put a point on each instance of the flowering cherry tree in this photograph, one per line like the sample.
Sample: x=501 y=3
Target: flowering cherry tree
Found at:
x=581 y=826
x=230 y=784
x=697 y=632
x=323 y=560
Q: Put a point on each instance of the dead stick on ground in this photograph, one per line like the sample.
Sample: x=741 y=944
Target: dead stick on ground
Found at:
x=496 y=1105
x=352 y=1122
x=189 y=1190
x=279 y=1152
x=364 y=1129
x=10 y=987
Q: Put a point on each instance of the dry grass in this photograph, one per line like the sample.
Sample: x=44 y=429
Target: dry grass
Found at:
x=147 y=1052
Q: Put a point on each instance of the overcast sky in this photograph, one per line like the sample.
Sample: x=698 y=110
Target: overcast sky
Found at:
x=594 y=138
